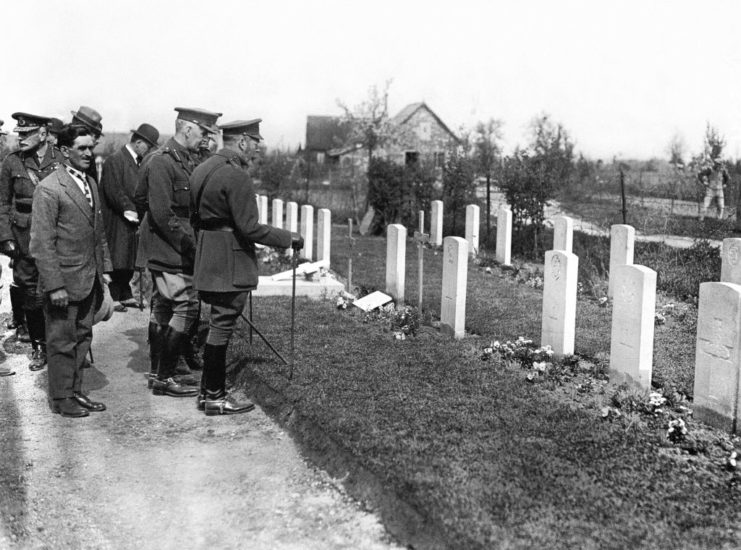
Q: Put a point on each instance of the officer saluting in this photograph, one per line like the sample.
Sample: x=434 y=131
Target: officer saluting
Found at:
x=225 y=213
x=167 y=244
x=20 y=174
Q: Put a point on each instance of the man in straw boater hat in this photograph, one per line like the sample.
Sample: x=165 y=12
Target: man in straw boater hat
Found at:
x=225 y=213
x=4 y=371
x=89 y=118
x=20 y=174
x=68 y=244
x=117 y=187
x=167 y=246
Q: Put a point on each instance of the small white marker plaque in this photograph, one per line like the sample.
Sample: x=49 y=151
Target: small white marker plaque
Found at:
x=372 y=300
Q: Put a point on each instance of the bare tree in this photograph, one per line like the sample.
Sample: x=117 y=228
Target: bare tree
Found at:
x=487 y=138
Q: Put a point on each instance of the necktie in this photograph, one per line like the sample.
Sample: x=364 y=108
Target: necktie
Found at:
x=86 y=189
x=139 y=160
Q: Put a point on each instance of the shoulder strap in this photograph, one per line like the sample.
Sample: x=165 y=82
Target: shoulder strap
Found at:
x=196 y=210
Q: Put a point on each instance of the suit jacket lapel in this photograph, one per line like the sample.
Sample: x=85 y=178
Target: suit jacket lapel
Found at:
x=77 y=196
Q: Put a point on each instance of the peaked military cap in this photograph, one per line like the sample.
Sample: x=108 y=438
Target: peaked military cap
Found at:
x=55 y=125
x=148 y=133
x=1 y=126
x=201 y=117
x=249 y=128
x=89 y=118
x=28 y=123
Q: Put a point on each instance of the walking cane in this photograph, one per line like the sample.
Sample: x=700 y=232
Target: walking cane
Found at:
x=294 y=261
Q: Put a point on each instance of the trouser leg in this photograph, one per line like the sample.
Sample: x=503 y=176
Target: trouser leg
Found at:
x=225 y=310
x=16 y=305
x=119 y=286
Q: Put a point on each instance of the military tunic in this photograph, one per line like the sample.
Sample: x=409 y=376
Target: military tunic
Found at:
x=225 y=254
x=19 y=176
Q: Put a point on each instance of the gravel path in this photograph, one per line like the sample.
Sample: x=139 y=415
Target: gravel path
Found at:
x=153 y=472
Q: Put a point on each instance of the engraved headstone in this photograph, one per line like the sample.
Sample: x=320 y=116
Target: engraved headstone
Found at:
x=396 y=250
x=278 y=213
x=323 y=234
x=563 y=233
x=455 y=275
x=307 y=231
x=291 y=221
x=436 y=223
x=730 y=267
x=504 y=237
x=473 y=213
x=717 y=357
x=632 y=337
x=559 y=301
x=622 y=244
x=263 y=208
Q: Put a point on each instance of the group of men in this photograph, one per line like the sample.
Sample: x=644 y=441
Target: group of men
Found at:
x=180 y=210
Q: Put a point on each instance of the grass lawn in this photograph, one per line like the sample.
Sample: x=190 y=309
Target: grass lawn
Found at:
x=484 y=457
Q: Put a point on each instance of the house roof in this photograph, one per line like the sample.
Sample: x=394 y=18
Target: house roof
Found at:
x=407 y=112
x=325 y=132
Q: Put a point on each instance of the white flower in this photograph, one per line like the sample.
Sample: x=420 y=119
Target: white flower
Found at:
x=487 y=270
x=399 y=335
x=540 y=366
x=655 y=399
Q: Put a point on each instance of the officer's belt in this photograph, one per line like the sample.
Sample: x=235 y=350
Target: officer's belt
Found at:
x=22 y=208
x=181 y=211
x=215 y=224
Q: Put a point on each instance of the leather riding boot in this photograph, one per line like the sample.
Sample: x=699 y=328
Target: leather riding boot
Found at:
x=37 y=332
x=214 y=372
x=155 y=345
x=164 y=384
x=190 y=354
x=222 y=403
x=18 y=320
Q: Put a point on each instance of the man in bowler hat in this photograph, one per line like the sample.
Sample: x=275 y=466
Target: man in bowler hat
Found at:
x=90 y=119
x=68 y=244
x=117 y=187
x=225 y=213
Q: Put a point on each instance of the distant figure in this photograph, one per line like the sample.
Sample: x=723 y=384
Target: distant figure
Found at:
x=4 y=371
x=714 y=176
x=117 y=187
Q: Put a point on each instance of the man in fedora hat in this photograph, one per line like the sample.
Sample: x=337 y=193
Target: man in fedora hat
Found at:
x=68 y=244
x=225 y=213
x=20 y=174
x=55 y=126
x=167 y=245
x=90 y=119
x=117 y=187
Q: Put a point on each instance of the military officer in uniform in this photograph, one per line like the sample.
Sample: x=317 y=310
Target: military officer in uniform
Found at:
x=4 y=371
x=21 y=173
x=225 y=213
x=167 y=242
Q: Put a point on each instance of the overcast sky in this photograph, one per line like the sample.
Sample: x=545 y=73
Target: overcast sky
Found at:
x=622 y=76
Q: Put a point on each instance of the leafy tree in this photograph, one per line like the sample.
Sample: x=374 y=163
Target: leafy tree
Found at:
x=274 y=172
x=487 y=152
x=459 y=182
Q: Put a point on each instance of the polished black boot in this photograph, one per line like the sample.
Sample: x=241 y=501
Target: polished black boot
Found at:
x=214 y=372
x=171 y=341
x=18 y=320
x=37 y=331
x=190 y=354
x=155 y=344
x=38 y=356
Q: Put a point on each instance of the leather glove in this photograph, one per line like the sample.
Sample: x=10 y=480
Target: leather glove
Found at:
x=9 y=248
x=297 y=241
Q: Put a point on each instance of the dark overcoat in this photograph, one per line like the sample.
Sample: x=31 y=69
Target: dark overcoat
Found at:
x=117 y=187
x=67 y=236
x=19 y=176
x=225 y=254
x=166 y=239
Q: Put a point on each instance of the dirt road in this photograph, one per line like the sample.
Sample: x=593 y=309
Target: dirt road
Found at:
x=153 y=472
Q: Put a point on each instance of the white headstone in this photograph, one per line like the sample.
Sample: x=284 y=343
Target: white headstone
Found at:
x=278 y=213
x=730 y=267
x=436 y=223
x=372 y=300
x=291 y=221
x=263 y=208
x=366 y=222
x=717 y=357
x=563 y=233
x=622 y=243
x=559 y=301
x=323 y=234
x=307 y=231
x=455 y=275
x=632 y=338
x=396 y=250
x=473 y=213
x=504 y=237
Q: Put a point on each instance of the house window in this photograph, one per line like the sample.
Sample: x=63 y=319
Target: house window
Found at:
x=411 y=158
x=439 y=159
x=320 y=158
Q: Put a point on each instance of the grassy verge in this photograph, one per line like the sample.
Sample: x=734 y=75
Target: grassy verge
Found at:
x=478 y=450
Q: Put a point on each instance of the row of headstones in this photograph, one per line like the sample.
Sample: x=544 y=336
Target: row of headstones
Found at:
x=717 y=388
x=305 y=226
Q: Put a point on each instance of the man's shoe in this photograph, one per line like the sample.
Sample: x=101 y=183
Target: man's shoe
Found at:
x=69 y=407
x=6 y=372
x=38 y=357
x=118 y=306
x=21 y=333
x=85 y=402
x=151 y=377
x=201 y=401
x=187 y=379
x=172 y=388
x=223 y=403
x=130 y=302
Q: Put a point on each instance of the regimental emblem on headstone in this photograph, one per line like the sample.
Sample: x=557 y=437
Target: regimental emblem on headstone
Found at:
x=733 y=255
x=627 y=294
x=717 y=341
x=556 y=267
